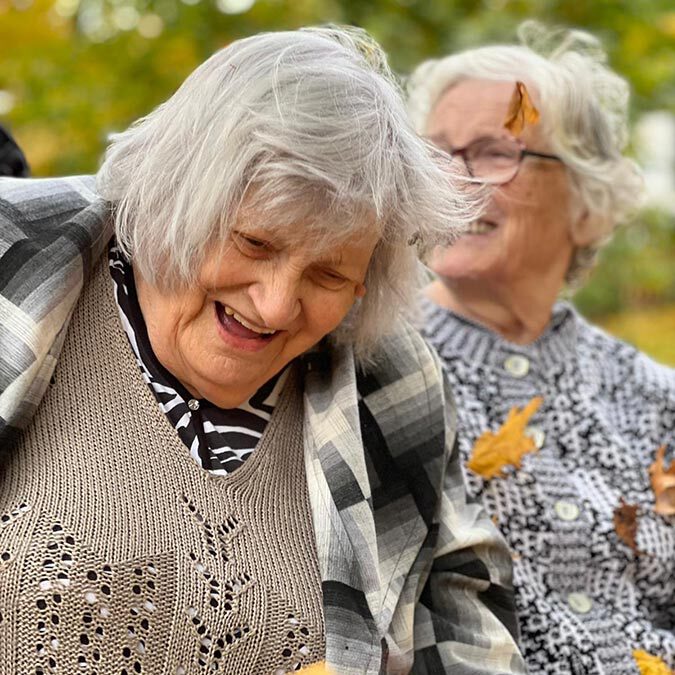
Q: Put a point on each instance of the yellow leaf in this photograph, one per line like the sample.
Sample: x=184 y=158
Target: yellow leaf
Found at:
x=316 y=669
x=521 y=110
x=663 y=483
x=492 y=452
x=650 y=665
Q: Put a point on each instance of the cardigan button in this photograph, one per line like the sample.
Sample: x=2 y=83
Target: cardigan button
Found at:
x=193 y=404
x=567 y=510
x=517 y=365
x=579 y=603
x=537 y=434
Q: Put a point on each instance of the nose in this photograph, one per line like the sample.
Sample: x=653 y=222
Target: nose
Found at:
x=277 y=298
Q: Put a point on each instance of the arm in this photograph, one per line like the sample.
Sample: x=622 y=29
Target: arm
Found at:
x=465 y=621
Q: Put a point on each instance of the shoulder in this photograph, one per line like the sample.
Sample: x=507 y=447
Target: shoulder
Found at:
x=27 y=201
x=404 y=392
x=622 y=362
x=405 y=362
x=46 y=225
x=406 y=419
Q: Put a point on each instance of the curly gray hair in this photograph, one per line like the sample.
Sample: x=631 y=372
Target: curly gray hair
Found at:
x=584 y=112
x=306 y=128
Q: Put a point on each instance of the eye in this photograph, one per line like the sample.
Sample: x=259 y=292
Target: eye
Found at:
x=252 y=246
x=330 y=279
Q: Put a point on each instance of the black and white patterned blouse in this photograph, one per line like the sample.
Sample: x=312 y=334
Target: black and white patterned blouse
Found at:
x=585 y=599
x=219 y=439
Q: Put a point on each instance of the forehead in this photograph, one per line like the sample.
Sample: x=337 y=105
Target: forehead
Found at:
x=472 y=108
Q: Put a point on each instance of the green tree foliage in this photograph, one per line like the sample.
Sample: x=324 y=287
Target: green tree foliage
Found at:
x=78 y=70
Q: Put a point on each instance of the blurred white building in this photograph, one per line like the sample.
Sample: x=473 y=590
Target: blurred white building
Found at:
x=655 y=147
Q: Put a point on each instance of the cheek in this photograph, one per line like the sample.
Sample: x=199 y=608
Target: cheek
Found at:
x=184 y=322
x=326 y=312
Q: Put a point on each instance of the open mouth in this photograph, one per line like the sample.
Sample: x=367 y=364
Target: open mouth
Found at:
x=481 y=226
x=237 y=326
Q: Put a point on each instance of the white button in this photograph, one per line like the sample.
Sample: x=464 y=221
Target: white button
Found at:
x=518 y=366
x=580 y=603
x=537 y=435
x=193 y=404
x=567 y=510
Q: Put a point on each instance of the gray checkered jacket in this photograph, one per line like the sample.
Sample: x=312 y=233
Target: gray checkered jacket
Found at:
x=415 y=577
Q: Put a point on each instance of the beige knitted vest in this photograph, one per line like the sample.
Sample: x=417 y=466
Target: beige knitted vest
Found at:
x=119 y=555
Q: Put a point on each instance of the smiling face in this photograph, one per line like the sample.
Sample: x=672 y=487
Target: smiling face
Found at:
x=527 y=233
x=259 y=302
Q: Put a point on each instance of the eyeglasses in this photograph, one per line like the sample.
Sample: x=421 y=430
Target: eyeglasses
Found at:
x=494 y=160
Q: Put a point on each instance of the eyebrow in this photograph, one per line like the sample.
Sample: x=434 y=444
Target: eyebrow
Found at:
x=332 y=261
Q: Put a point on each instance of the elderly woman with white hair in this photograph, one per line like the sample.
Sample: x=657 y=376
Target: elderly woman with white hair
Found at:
x=224 y=450
x=560 y=424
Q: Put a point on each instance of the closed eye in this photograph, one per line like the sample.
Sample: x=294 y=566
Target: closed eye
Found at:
x=252 y=246
x=330 y=279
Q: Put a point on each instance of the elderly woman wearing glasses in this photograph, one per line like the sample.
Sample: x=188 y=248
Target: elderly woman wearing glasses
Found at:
x=559 y=422
x=242 y=462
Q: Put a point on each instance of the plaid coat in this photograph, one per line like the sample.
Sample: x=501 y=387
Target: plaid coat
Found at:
x=415 y=577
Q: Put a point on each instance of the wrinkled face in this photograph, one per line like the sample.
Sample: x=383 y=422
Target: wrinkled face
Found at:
x=259 y=302
x=528 y=228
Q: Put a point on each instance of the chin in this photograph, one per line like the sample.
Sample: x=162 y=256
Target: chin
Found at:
x=227 y=392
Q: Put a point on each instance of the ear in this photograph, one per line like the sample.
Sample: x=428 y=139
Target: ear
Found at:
x=584 y=228
x=359 y=291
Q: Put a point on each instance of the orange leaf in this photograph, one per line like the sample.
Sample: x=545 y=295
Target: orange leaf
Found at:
x=625 y=524
x=316 y=669
x=492 y=452
x=663 y=483
x=521 y=110
x=650 y=665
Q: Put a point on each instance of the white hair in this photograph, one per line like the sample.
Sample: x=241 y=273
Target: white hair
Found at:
x=585 y=116
x=305 y=128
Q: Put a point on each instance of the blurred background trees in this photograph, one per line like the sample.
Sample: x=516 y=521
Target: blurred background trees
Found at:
x=74 y=71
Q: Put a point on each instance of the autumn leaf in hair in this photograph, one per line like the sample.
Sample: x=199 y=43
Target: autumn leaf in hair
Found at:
x=650 y=665
x=663 y=483
x=493 y=451
x=521 y=110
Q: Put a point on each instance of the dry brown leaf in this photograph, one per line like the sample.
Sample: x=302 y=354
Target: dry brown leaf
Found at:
x=521 y=110
x=493 y=451
x=650 y=665
x=625 y=524
x=663 y=483
x=316 y=669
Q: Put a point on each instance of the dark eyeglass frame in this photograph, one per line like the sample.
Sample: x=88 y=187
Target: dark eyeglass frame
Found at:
x=524 y=152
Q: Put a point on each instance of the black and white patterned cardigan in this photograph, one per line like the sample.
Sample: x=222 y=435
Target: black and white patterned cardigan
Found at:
x=585 y=599
x=415 y=577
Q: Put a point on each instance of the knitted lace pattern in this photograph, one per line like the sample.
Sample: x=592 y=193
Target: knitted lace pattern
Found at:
x=120 y=555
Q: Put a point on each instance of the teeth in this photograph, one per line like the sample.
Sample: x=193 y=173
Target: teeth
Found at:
x=263 y=331
x=480 y=227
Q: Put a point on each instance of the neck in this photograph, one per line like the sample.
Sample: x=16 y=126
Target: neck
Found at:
x=519 y=315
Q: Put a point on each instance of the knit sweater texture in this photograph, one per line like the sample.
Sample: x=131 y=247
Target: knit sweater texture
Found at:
x=118 y=554
x=585 y=599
